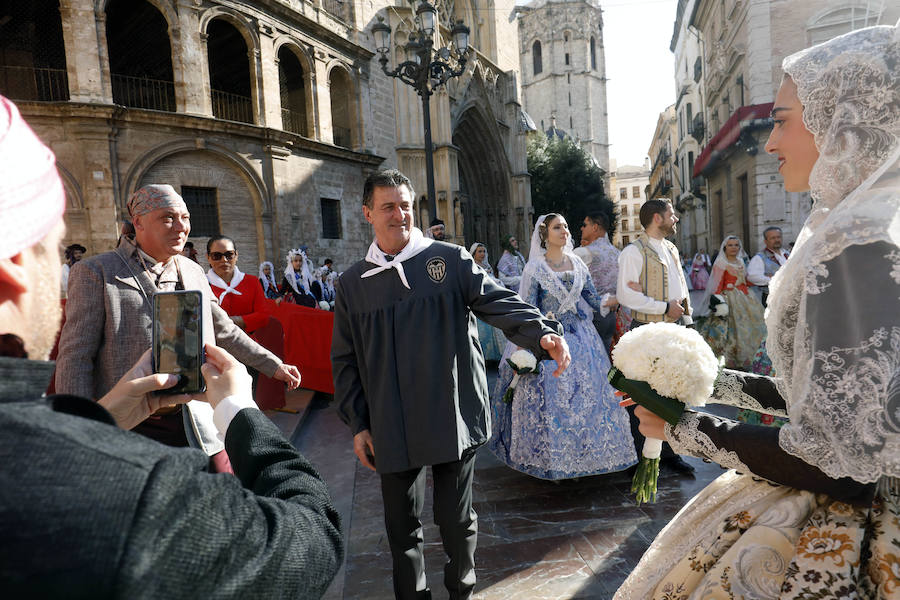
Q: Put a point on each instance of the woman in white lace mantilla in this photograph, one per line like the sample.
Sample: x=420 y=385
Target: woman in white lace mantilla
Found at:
x=812 y=510
x=570 y=426
x=737 y=335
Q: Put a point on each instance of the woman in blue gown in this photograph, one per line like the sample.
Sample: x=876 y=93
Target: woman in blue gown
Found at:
x=570 y=426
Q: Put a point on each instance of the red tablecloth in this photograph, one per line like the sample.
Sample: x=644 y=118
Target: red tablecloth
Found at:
x=307 y=343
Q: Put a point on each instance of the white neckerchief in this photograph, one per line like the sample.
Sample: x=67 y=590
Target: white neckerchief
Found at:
x=229 y=288
x=417 y=243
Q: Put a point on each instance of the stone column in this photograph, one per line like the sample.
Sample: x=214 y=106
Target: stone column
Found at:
x=190 y=64
x=87 y=62
x=323 y=98
x=269 y=86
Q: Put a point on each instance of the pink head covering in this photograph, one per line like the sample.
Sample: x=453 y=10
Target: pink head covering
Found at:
x=32 y=199
x=154 y=196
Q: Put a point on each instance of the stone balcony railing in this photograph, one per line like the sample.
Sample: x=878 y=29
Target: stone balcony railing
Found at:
x=34 y=83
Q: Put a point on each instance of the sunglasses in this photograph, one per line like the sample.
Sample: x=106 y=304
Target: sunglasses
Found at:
x=220 y=255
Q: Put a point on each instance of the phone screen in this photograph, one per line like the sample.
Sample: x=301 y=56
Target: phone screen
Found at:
x=178 y=339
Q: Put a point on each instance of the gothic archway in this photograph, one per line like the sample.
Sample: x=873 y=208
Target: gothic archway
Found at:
x=483 y=179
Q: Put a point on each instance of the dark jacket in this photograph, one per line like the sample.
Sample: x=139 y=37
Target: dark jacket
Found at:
x=88 y=510
x=407 y=362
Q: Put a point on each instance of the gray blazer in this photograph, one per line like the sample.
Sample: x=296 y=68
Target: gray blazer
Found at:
x=109 y=325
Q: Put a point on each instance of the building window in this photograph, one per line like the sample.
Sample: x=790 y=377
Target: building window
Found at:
x=571 y=126
x=593 y=54
x=570 y=100
x=204 y=208
x=569 y=79
x=637 y=208
x=637 y=224
x=536 y=57
x=567 y=58
x=623 y=193
x=331 y=219
x=691 y=165
x=626 y=240
x=624 y=211
x=636 y=191
x=840 y=21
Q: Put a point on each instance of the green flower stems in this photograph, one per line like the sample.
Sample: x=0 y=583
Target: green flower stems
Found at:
x=645 y=478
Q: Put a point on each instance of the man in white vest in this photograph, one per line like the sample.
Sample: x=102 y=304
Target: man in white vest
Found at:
x=661 y=293
x=766 y=263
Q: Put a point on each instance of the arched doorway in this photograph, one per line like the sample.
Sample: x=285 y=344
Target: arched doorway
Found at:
x=483 y=180
x=140 y=55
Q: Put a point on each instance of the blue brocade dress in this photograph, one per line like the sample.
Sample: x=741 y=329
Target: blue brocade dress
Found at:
x=570 y=426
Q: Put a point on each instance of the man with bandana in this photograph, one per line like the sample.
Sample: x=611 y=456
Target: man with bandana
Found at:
x=109 y=318
x=410 y=406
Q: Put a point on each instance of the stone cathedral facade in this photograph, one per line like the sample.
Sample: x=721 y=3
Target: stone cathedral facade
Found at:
x=563 y=68
x=267 y=116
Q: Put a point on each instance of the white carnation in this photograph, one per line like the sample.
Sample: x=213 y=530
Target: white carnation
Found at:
x=523 y=359
x=674 y=360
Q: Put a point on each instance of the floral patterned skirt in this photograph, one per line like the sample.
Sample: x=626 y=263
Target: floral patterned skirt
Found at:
x=738 y=335
x=742 y=537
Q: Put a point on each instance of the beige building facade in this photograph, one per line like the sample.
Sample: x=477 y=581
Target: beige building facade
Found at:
x=629 y=191
x=662 y=182
x=563 y=66
x=267 y=116
x=691 y=202
x=743 y=43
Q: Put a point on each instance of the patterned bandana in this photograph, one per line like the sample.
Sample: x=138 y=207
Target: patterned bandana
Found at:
x=154 y=196
x=31 y=193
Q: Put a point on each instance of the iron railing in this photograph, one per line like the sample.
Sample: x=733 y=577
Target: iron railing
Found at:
x=34 y=83
x=143 y=92
x=293 y=121
x=341 y=136
x=232 y=107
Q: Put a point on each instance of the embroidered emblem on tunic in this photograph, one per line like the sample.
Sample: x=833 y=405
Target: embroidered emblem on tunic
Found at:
x=436 y=269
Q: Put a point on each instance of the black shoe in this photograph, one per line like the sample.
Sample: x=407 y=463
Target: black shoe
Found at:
x=677 y=464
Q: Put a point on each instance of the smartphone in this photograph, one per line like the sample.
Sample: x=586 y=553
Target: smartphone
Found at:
x=178 y=339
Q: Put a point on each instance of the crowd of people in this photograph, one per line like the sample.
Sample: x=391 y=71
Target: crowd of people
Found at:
x=113 y=489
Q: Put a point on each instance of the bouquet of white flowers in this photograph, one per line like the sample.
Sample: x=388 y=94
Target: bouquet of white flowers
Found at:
x=662 y=367
x=522 y=362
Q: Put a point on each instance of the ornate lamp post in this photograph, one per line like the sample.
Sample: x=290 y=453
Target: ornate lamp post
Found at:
x=425 y=69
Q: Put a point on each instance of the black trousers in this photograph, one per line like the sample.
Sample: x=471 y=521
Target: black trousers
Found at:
x=403 y=494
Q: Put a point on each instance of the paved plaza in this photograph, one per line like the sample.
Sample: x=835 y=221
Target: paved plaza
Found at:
x=537 y=539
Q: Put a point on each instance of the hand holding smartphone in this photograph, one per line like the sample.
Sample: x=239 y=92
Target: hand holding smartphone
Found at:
x=178 y=339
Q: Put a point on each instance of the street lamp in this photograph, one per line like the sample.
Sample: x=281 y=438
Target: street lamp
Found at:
x=425 y=69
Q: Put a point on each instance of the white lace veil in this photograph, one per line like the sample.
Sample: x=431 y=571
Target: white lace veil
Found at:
x=538 y=270
x=486 y=265
x=850 y=91
x=718 y=269
x=270 y=280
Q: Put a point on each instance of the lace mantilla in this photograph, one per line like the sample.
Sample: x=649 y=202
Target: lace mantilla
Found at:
x=729 y=391
x=850 y=91
x=687 y=438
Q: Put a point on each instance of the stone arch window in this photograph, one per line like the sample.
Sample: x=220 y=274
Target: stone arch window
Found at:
x=229 y=72
x=838 y=21
x=140 y=55
x=593 y=54
x=292 y=80
x=342 y=118
x=32 y=52
x=536 y=58
x=567 y=57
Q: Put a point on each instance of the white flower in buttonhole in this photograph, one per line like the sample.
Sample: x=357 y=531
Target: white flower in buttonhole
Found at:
x=521 y=362
x=680 y=369
x=324 y=305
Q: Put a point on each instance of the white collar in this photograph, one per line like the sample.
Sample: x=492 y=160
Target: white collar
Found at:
x=417 y=242
x=220 y=283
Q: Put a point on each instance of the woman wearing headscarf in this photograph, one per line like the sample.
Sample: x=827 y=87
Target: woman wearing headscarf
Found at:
x=511 y=263
x=267 y=280
x=826 y=524
x=567 y=426
x=736 y=336
x=492 y=340
x=297 y=278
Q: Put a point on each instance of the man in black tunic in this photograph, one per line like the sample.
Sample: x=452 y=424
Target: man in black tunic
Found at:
x=411 y=404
